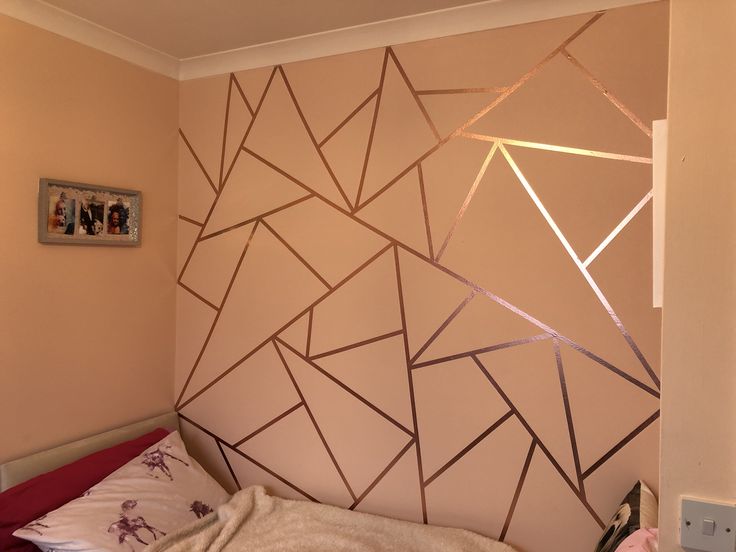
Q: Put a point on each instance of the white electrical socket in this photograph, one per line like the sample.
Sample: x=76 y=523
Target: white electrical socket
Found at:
x=707 y=525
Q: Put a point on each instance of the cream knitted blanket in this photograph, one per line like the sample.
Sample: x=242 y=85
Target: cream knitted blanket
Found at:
x=252 y=521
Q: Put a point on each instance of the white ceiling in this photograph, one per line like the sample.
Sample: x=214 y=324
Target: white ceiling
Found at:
x=190 y=28
x=186 y=39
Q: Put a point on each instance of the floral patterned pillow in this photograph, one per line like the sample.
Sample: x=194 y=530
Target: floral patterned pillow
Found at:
x=637 y=511
x=158 y=492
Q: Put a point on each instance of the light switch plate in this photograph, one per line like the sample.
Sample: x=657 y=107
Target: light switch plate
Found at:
x=694 y=512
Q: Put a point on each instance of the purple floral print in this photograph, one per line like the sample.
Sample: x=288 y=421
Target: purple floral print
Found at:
x=34 y=525
x=200 y=509
x=128 y=526
x=156 y=459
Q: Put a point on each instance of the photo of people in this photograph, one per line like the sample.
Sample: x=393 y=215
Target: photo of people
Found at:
x=61 y=214
x=91 y=215
x=118 y=213
x=75 y=213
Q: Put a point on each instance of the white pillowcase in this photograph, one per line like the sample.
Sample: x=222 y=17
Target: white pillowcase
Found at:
x=156 y=493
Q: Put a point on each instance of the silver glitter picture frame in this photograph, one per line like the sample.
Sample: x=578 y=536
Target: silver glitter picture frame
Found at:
x=72 y=213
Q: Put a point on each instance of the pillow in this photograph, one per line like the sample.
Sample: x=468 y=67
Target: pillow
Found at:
x=158 y=492
x=643 y=540
x=38 y=496
x=637 y=511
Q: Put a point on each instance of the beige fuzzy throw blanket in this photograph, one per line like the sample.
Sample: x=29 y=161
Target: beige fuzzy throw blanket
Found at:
x=254 y=521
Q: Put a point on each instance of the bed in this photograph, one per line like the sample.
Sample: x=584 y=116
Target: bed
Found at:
x=163 y=501
x=18 y=471
x=137 y=487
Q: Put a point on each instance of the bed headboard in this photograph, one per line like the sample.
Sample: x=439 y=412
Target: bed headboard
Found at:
x=17 y=471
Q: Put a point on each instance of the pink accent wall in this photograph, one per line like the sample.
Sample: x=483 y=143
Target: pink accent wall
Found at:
x=86 y=333
x=391 y=296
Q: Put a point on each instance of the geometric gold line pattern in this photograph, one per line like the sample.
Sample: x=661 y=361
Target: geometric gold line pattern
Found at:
x=379 y=94
x=414 y=93
x=468 y=199
x=577 y=261
x=613 y=99
x=560 y=149
x=462 y=90
x=616 y=231
x=351 y=359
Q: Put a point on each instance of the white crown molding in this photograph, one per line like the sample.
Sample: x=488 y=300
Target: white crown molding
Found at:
x=61 y=22
x=481 y=16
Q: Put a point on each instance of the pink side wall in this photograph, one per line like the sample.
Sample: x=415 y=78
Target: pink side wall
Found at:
x=86 y=333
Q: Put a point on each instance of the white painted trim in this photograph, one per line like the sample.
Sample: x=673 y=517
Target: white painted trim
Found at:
x=458 y=20
x=490 y=14
x=659 y=177
x=61 y=22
